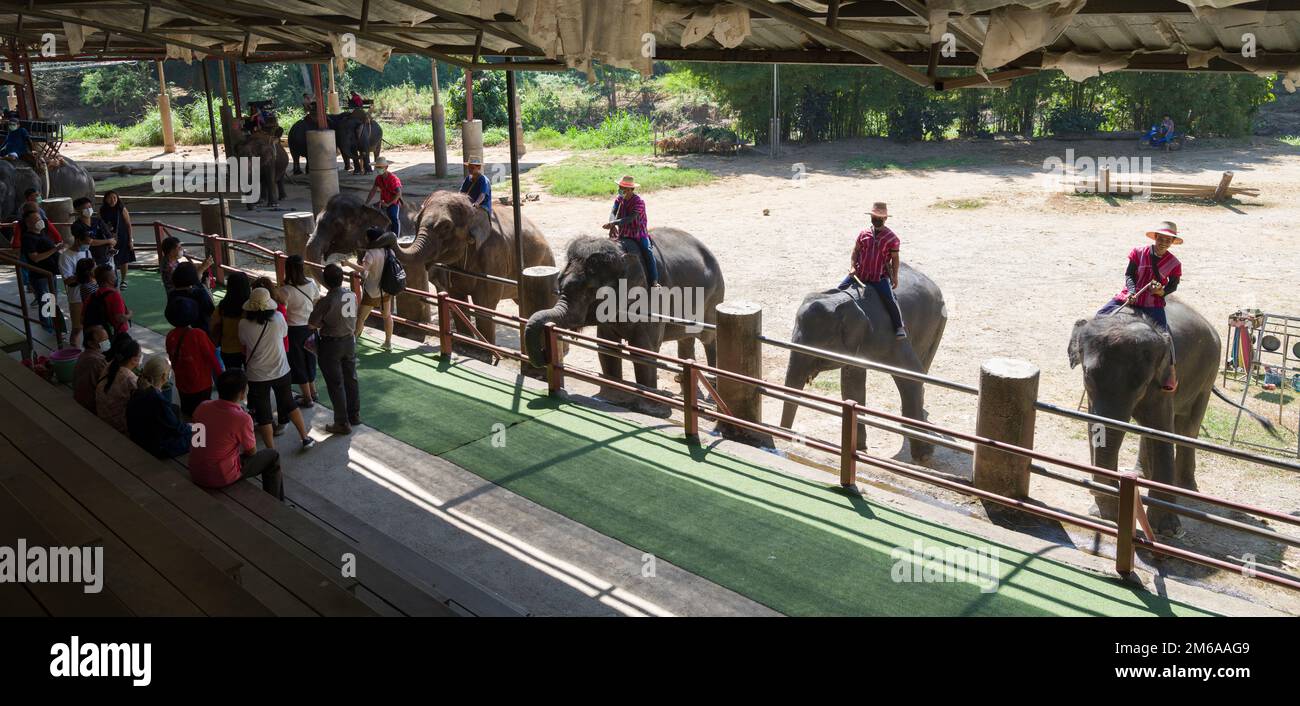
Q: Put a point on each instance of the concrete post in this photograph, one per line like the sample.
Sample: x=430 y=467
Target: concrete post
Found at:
x=1008 y=390
x=58 y=209
x=471 y=139
x=333 y=100
x=739 y=325
x=297 y=229
x=538 y=290
x=214 y=221
x=321 y=150
x=165 y=112
x=438 y=116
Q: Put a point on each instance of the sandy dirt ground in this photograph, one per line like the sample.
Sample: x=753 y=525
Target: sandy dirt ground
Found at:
x=1018 y=263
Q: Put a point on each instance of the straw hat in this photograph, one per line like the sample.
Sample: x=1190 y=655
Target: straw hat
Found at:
x=879 y=210
x=474 y=161
x=628 y=182
x=1166 y=228
x=260 y=300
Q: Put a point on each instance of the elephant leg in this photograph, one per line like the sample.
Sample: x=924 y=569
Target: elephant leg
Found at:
x=1185 y=456
x=611 y=366
x=280 y=185
x=711 y=350
x=912 y=395
x=296 y=169
x=853 y=386
x=647 y=375
x=1160 y=460
x=1105 y=444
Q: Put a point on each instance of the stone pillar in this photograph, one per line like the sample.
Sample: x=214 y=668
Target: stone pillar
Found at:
x=214 y=220
x=1008 y=390
x=438 y=117
x=739 y=325
x=332 y=103
x=471 y=139
x=298 y=227
x=538 y=290
x=165 y=112
x=321 y=150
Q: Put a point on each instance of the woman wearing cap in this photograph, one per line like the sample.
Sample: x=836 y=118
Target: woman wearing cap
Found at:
x=628 y=220
x=371 y=266
x=390 y=195
x=875 y=264
x=476 y=186
x=267 y=367
x=1153 y=273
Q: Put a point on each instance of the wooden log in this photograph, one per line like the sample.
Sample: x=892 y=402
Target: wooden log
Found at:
x=1222 y=191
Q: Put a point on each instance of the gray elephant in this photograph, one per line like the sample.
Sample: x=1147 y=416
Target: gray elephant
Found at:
x=597 y=275
x=298 y=137
x=854 y=322
x=68 y=179
x=273 y=161
x=1125 y=358
x=358 y=138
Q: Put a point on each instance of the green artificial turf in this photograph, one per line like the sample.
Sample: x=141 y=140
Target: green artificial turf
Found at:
x=798 y=546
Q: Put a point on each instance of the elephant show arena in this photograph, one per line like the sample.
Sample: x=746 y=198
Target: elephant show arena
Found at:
x=1017 y=261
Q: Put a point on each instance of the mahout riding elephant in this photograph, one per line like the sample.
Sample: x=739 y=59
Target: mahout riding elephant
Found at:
x=599 y=271
x=273 y=161
x=854 y=322
x=1125 y=358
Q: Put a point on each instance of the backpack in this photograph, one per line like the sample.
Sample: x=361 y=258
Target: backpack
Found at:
x=95 y=312
x=393 y=279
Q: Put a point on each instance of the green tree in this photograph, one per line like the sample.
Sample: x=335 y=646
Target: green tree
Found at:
x=120 y=87
x=489 y=99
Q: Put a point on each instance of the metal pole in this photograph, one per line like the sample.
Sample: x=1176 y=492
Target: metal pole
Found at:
x=512 y=105
x=212 y=125
x=469 y=96
x=776 y=110
x=321 y=124
x=234 y=86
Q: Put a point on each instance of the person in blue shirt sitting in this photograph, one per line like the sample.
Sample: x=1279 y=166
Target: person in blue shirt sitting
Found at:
x=476 y=186
x=18 y=144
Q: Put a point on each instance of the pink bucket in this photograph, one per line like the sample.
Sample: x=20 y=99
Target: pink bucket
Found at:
x=64 y=361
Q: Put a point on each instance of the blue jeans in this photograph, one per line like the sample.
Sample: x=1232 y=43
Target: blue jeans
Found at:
x=395 y=218
x=885 y=289
x=1155 y=313
x=648 y=256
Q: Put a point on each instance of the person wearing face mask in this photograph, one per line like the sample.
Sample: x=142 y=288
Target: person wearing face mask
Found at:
x=33 y=200
x=875 y=264
x=118 y=220
x=68 y=260
x=40 y=251
x=90 y=367
x=114 y=388
x=102 y=241
x=18 y=145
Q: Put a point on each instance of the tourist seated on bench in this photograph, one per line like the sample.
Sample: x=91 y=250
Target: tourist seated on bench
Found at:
x=18 y=145
x=152 y=421
x=229 y=450
x=113 y=390
x=91 y=365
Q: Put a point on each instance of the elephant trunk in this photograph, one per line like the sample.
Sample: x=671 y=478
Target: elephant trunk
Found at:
x=798 y=373
x=560 y=315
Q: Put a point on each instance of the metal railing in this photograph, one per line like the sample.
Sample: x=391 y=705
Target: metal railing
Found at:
x=23 y=312
x=1132 y=503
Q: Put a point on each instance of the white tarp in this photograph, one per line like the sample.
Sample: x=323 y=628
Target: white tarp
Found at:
x=1081 y=67
x=1015 y=31
x=729 y=24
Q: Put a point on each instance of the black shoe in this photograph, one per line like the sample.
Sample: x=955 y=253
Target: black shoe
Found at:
x=308 y=443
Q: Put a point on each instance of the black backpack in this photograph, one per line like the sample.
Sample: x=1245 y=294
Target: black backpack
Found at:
x=393 y=279
x=95 y=312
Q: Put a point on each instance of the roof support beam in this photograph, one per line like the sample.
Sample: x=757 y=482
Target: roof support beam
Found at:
x=918 y=8
x=833 y=36
x=124 y=31
x=225 y=21
x=473 y=22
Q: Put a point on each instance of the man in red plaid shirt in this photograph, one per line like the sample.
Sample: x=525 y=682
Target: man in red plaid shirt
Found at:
x=875 y=264
x=628 y=220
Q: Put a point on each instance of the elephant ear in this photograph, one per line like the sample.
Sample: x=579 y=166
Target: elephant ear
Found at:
x=1075 y=349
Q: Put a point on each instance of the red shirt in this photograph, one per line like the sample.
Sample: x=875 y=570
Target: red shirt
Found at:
x=114 y=306
x=227 y=432
x=874 y=250
x=1169 y=266
x=194 y=359
x=389 y=185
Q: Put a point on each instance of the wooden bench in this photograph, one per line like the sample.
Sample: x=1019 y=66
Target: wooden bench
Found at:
x=276 y=551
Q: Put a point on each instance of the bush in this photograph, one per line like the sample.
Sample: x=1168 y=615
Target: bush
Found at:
x=583 y=178
x=1066 y=119
x=494 y=136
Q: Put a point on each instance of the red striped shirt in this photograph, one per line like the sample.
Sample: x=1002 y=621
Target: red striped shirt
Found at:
x=1169 y=266
x=874 y=249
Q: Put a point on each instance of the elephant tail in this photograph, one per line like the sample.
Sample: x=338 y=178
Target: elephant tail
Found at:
x=1261 y=420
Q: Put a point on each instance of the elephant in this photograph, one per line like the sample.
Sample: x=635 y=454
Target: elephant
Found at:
x=450 y=230
x=341 y=228
x=298 y=137
x=358 y=137
x=854 y=322
x=1125 y=358
x=597 y=267
x=273 y=161
x=68 y=179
